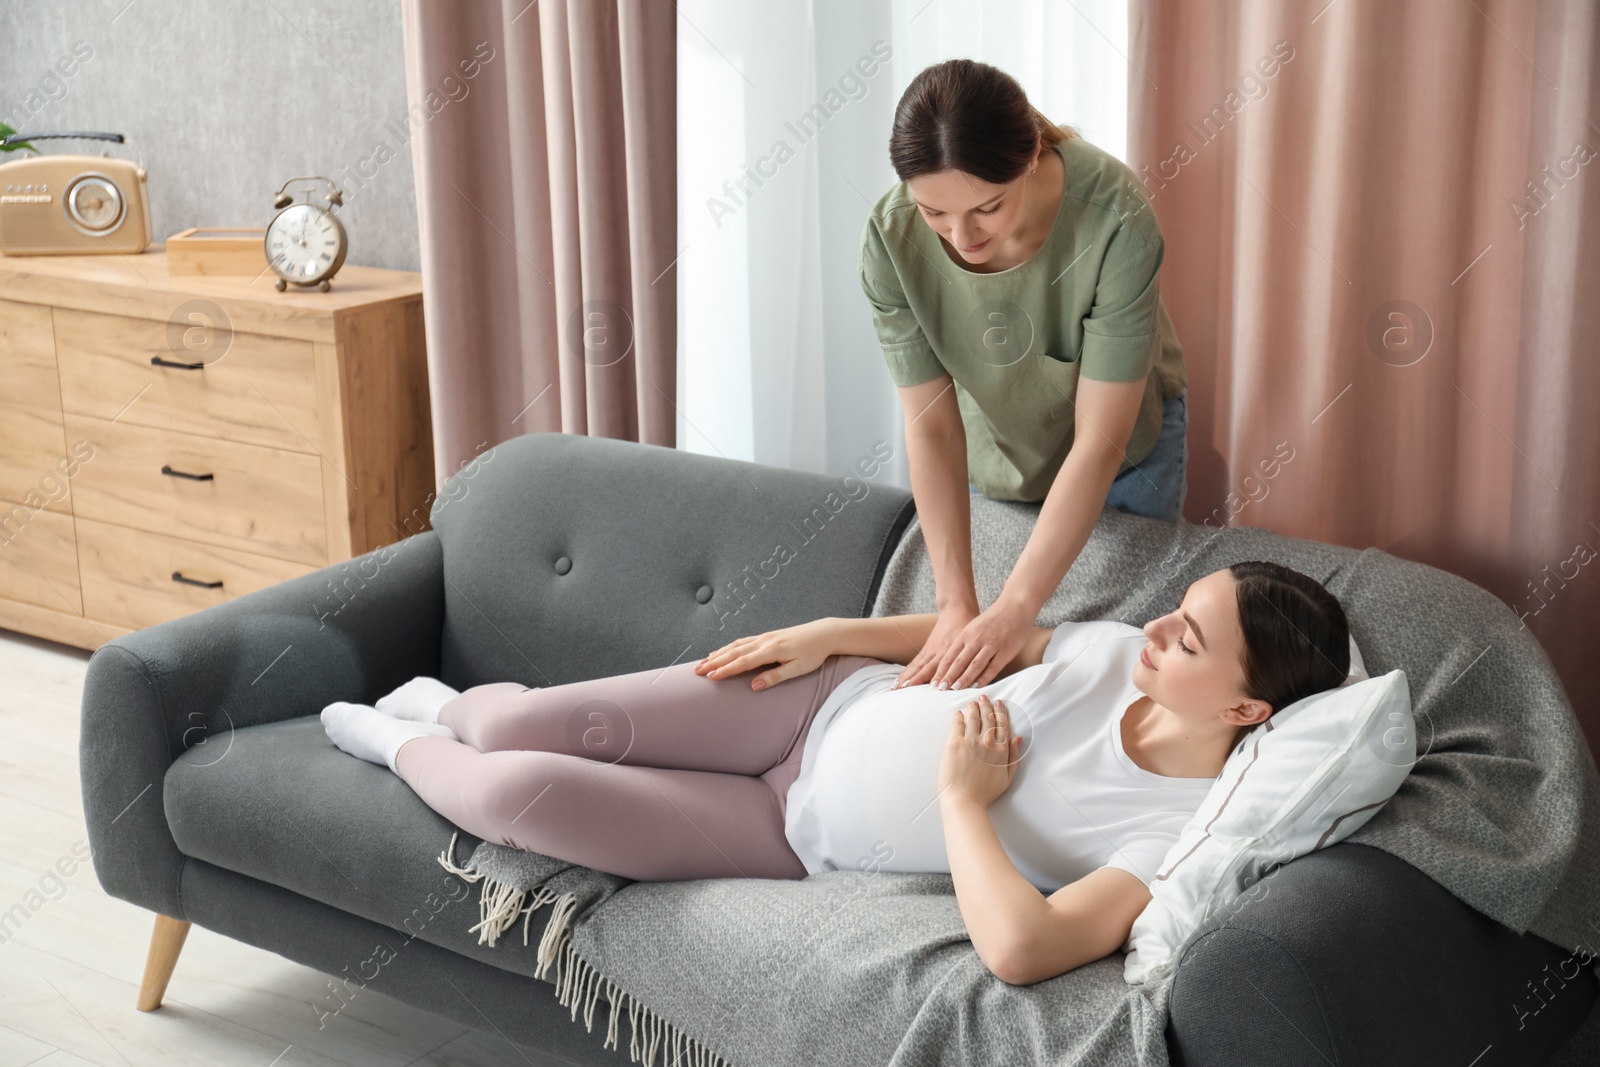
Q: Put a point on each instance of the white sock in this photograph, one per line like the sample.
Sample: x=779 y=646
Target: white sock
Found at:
x=368 y=734
x=419 y=700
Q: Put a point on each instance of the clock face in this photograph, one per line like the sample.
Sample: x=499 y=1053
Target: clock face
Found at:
x=305 y=244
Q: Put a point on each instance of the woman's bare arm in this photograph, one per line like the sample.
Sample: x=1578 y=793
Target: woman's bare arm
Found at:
x=1106 y=412
x=801 y=649
x=936 y=446
x=896 y=638
x=1021 y=935
x=891 y=638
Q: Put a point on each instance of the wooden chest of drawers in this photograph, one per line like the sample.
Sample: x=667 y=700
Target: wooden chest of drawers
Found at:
x=170 y=443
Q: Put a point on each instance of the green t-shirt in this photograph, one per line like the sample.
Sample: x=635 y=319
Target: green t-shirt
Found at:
x=1015 y=341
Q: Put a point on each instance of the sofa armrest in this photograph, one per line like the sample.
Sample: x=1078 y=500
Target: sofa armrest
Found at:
x=351 y=631
x=1350 y=955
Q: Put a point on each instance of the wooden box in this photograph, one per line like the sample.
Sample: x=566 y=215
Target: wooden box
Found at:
x=217 y=252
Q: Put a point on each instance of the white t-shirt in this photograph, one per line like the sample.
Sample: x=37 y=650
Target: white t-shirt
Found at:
x=866 y=797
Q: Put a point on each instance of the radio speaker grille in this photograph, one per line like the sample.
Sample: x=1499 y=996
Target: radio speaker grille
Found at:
x=30 y=227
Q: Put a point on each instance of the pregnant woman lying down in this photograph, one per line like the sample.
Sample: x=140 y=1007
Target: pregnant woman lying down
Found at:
x=1050 y=795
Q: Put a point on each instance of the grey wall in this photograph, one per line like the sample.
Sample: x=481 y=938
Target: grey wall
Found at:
x=227 y=99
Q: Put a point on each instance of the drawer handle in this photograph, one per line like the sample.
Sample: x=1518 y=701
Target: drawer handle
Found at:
x=158 y=361
x=167 y=469
x=177 y=576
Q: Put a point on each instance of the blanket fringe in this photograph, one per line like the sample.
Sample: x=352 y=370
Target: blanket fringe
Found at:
x=577 y=983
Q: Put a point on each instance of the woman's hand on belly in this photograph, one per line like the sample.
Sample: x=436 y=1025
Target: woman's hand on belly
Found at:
x=984 y=646
x=947 y=626
x=980 y=757
x=794 y=650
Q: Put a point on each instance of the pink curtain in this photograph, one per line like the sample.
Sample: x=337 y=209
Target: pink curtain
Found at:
x=544 y=146
x=1383 y=261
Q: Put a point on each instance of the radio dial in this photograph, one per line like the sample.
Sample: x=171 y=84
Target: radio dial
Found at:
x=94 y=203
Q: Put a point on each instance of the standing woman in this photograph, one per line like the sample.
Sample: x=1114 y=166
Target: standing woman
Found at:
x=1013 y=276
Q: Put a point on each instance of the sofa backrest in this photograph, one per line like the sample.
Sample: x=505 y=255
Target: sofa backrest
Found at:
x=569 y=557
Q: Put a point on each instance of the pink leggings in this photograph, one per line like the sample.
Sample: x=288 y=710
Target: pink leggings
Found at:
x=662 y=775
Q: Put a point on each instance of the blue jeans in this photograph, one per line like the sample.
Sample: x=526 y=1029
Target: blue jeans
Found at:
x=1155 y=487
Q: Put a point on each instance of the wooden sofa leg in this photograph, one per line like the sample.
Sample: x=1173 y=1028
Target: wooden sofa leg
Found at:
x=166 y=941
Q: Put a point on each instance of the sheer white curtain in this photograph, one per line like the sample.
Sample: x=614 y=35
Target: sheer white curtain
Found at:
x=784 y=112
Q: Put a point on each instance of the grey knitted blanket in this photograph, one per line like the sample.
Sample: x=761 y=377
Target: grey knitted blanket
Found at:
x=856 y=968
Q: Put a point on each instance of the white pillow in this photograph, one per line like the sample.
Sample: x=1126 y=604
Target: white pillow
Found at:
x=1306 y=778
x=1358 y=669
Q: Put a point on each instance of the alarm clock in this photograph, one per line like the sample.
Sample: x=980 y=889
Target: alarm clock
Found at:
x=305 y=243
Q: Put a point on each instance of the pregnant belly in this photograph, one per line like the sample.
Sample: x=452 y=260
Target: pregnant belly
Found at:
x=878 y=769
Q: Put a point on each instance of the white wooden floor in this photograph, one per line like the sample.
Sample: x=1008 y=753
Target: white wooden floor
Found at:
x=69 y=975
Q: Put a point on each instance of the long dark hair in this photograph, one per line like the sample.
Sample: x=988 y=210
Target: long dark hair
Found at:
x=967 y=116
x=1296 y=636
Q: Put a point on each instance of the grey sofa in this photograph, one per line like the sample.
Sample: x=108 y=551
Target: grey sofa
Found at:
x=556 y=558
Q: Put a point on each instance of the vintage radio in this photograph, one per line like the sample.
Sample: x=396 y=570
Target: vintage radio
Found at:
x=72 y=205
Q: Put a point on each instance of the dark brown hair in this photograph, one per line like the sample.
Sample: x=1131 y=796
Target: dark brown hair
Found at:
x=1296 y=636
x=968 y=116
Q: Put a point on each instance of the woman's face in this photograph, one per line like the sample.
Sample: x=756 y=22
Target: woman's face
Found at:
x=1194 y=662
x=968 y=212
